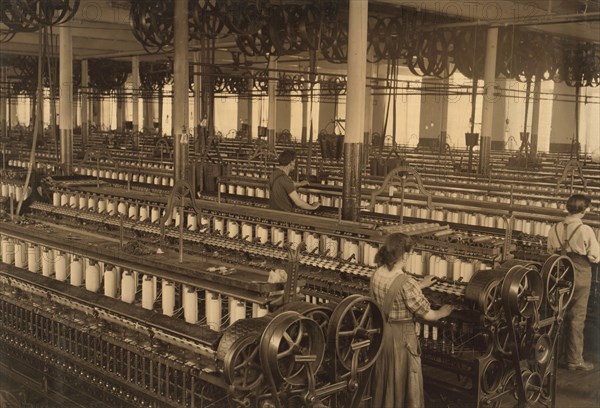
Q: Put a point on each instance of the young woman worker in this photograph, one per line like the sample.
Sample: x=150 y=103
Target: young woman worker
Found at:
x=397 y=377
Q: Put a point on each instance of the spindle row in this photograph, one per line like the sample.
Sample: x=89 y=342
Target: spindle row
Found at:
x=393 y=208
x=346 y=254
x=134 y=176
x=153 y=174
x=12 y=190
x=196 y=305
x=130 y=171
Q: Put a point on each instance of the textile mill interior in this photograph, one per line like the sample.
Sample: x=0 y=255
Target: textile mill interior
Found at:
x=201 y=201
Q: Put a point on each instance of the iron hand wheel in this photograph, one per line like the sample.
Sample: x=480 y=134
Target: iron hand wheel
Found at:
x=289 y=342
x=356 y=326
x=559 y=280
x=522 y=291
x=242 y=368
x=320 y=313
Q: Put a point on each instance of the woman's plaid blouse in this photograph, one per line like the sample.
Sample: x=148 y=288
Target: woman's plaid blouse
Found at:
x=415 y=303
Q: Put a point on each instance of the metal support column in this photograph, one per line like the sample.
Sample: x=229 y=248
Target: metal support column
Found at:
x=283 y=120
x=66 y=98
x=33 y=115
x=535 y=116
x=3 y=100
x=120 y=109
x=97 y=110
x=272 y=104
x=13 y=119
x=500 y=129
x=250 y=109
x=487 y=120
x=85 y=115
x=576 y=145
x=208 y=88
x=160 y=106
x=148 y=111
x=305 y=113
x=443 y=135
x=369 y=109
x=75 y=110
x=355 y=108
x=198 y=129
x=135 y=88
x=181 y=92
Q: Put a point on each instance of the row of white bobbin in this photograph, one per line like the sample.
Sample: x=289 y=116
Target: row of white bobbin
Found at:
x=129 y=285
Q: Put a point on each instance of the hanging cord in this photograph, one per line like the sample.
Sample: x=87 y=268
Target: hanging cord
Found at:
x=475 y=52
x=475 y=82
x=51 y=81
x=312 y=81
x=387 y=109
x=575 y=142
x=512 y=62
x=311 y=74
x=527 y=100
x=264 y=116
x=211 y=55
x=512 y=50
x=108 y=127
x=473 y=103
x=395 y=95
x=36 y=127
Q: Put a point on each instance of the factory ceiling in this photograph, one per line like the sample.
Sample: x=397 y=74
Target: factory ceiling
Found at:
x=102 y=28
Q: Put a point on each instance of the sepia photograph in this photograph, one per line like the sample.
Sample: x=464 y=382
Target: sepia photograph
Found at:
x=300 y=204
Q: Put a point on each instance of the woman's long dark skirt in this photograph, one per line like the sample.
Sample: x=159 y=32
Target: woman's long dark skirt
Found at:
x=397 y=380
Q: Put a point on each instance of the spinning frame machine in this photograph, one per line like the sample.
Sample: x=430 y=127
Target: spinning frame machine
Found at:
x=483 y=378
x=530 y=215
x=118 y=345
x=301 y=355
x=501 y=342
x=520 y=200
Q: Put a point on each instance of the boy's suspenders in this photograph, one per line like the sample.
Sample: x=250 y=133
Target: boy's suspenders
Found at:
x=565 y=243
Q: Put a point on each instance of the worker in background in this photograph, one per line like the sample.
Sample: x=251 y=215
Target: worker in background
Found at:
x=397 y=378
x=283 y=195
x=37 y=191
x=578 y=241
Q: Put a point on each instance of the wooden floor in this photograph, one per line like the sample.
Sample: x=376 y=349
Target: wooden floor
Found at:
x=578 y=389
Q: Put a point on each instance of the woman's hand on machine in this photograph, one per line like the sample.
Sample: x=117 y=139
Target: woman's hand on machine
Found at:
x=427 y=281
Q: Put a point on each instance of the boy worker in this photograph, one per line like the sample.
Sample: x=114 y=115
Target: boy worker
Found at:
x=578 y=241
